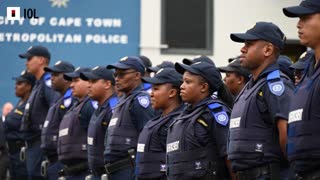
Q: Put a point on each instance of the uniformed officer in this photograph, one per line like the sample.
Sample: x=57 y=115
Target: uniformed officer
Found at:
x=36 y=109
x=299 y=66
x=129 y=117
x=14 y=136
x=196 y=141
x=6 y=109
x=49 y=135
x=101 y=89
x=303 y=145
x=72 y=141
x=236 y=76
x=151 y=149
x=257 y=140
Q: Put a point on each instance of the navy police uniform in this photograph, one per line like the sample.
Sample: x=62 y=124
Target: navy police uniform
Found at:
x=99 y=122
x=196 y=142
x=13 y=134
x=42 y=97
x=254 y=147
x=128 y=119
x=49 y=134
x=151 y=149
x=72 y=140
x=303 y=146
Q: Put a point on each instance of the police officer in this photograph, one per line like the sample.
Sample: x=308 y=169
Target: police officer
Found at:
x=49 y=134
x=129 y=117
x=236 y=76
x=151 y=150
x=36 y=109
x=257 y=139
x=72 y=141
x=303 y=134
x=14 y=136
x=6 y=109
x=196 y=141
x=299 y=66
x=101 y=89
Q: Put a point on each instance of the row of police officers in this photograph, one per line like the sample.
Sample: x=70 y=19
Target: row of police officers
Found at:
x=102 y=123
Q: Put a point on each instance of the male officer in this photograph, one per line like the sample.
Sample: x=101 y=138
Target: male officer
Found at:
x=41 y=98
x=72 y=141
x=303 y=146
x=236 y=76
x=129 y=117
x=49 y=135
x=14 y=136
x=257 y=140
x=101 y=89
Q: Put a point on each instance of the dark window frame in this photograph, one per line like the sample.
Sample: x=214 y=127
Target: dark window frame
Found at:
x=208 y=50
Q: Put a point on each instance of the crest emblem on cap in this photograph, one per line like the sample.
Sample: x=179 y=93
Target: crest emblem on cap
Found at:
x=57 y=63
x=95 y=68
x=77 y=69
x=124 y=58
x=197 y=62
x=303 y=55
x=159 y=71
x=30 y=48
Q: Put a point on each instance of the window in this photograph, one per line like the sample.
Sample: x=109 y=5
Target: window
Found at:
x=187 y=26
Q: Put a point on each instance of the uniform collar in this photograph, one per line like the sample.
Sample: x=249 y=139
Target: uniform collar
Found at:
x=138 y=88
x=106 y=102
x=200 y=103
x=264 y=73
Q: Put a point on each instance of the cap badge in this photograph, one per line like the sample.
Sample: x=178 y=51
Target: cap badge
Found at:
x=124 y=58
x=159 y=71
x=95 y=68
x=57 y=63
x=23 y=72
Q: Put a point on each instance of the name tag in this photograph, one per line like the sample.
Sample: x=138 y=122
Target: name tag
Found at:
x=90 y=140
x=173 y=146
x=140 y=147
x=235 y=122
x=46 y=123
x=63 y=132
x=295 y=115
x=113 y=122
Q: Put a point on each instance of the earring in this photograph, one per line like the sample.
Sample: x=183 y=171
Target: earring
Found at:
x=239 y=82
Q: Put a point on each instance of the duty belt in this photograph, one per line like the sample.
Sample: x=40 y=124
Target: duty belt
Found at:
x=73 y=169
x=98 y=171
x=118 y=165
x=270 y=169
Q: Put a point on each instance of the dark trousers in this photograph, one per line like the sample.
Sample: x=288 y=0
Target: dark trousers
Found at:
x=53 y=170
x=4 y=165
x=34 y=158
x=17 y=168
x=123 y=174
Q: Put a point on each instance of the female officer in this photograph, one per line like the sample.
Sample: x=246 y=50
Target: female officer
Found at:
x=24 y=84
x=151 y=150
x=196 y=142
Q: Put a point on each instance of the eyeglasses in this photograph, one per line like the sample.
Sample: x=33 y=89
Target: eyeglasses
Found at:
x=121 y=75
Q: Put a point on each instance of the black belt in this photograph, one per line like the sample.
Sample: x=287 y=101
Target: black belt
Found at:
x=98 y=171
x=309 y=176
x=74 y=169
x=253 y=172
x=118 y=165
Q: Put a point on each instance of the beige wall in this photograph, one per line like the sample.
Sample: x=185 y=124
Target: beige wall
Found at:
x=229 y=16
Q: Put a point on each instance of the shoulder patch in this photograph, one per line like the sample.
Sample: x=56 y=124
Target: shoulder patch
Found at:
x=276 y=88
x=47 y=79
x=143 y=101
x=221 y=116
